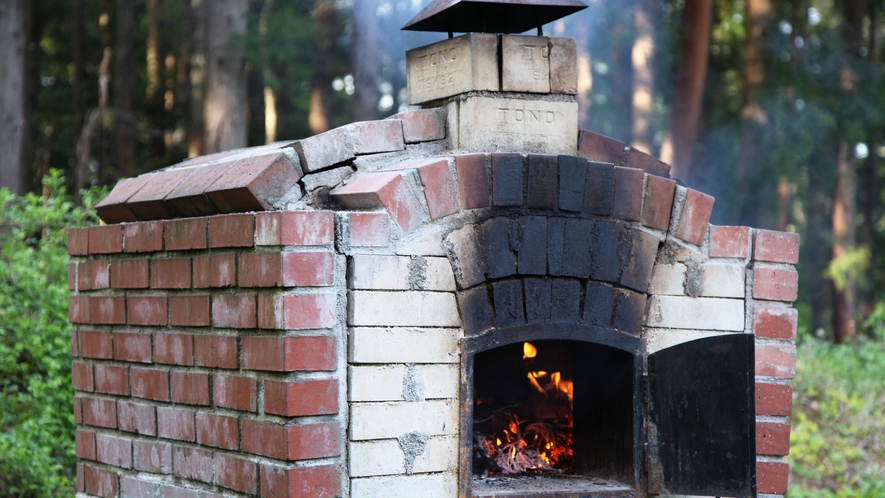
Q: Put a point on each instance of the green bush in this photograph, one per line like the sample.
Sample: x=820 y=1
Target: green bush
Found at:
x=837 y=444
x=36 y=418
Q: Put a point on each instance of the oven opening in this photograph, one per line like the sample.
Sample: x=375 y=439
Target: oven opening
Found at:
x=552 y=416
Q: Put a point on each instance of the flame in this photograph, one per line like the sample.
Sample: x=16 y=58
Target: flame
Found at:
x=529 y=350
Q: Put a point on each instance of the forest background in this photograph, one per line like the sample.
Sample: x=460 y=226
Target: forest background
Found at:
x=777 y=108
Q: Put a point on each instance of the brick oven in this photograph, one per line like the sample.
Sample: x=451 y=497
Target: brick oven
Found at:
x=471 y=299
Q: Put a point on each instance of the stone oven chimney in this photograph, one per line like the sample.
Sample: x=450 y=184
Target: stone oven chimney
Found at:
x=472 y=299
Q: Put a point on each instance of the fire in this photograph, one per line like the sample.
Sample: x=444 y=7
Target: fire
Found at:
x=529 y=350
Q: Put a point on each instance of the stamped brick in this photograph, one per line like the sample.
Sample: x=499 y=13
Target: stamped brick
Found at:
x=729 y=242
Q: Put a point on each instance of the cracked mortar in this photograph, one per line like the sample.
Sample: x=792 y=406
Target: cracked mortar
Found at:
x=418 y=273
x=413 y=386
x=413 y=444
x=694 y=278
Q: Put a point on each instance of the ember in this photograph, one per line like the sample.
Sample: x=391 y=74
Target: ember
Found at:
x=533 y=432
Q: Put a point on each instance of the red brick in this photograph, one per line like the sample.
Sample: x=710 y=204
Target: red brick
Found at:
x=387 y=190
x=106 y=239
x=308 y=269
x=776 y=247
x=152 y=456
x=84 y=441
x=171 y=273
x=216 y=351
x=149 y=383
x=189 y=388
x=130 y=274
x=114 y=450
x=236 y=473
x=82 y=376
x=81 y=478
x=186 y=234
x=263 y=269
x=143 y=237
x=772 y=477
x=174 y=349
x=729 y=242
x=132 y=347
x=772 y=438
x=175 y=423
x=317 y=482
x=100 y=412
x=107 y=310
x=422 y=125
x=776 y=322
x=96 y=345
x=314 y=440
x=113 y=209
x=232 y=230
x=112 y=379
x=695 y=217
x=192 y=463
x=100 y=482
x=189 y=311
x=301 y=398
x=148 y=203
x=217 y=270
x=776 y=361
x=635 y=158
x=601 y=148
x=473 y=180
x=369 y=229
x=78 y=410
x=234 y=311
x=217 y=431
x=372 y=137
x=439 y=188
x=253 y=183
x=78 y=241
x=297 y=312
x=92 y=275
x=79 y=309
x=658 y=203
x=136 y=488
x=173 y=491
x=237 y=393
x=260 y=437
x=774 y=399
x=295 y=228
x=187 y=198
x=147 y=310
x=72 y=276
x=75 y=345
x=628 y=194
x=137 y=417
x=775 y=284
x=289 y=354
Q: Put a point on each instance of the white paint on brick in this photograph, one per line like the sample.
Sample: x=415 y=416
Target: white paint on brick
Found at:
x=426 y=243
x=706 y=313
x=414 y=308
x=390 y=420
x=668 y=280
x=371 y=271
x=723 y=280
x=658 y=339
x=385 y=457
x=385 y=382
x=404 y=345
x=439 y=275
x=419 y=485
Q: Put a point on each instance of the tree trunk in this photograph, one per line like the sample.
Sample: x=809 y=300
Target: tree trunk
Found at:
x=643 y=76
x=871 y=166
x=678 y=146
x=197 y=79
x=225 y=101
x=585 y=75
x=365 y=61
x=270 y=99
x=324 y=18
x=13 y=37
x=124 y=84
x=153 y=51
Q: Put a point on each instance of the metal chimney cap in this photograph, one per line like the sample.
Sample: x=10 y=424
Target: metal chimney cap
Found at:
x=491 y=16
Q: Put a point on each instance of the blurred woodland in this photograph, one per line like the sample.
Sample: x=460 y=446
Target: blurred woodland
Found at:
x=776 y=108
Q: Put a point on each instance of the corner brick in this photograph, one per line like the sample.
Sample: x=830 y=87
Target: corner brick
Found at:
x=596 y=147
x=82 y=376
x=215 y=270
x=473 y=180
x=628 y=194
x=174 y=349
x=232 y=230
x=236 y=473
x=78 y=410
x=134 y=347
x=772 y=438
x=289 y=354
x=176 y=423
x=774 y=283
x=776 y=247
x=775 y=322
x=658 y=203
x=75 y=343
x=301 y=398
x=189 y=388
x=234 y=311
x=772 y=477
x=189 y=199
x=147 y=310
x=476 y=310
x=776 y=361
x=369 y=229
x=192 y=463
x=729 y=242
x=189 y=311
x=235 y=392
x=308 y=441
x=629 y=311
x=507 y=179
x=695 y=217
x=149 y=383
x=217 y=431
x=423 y=125
x=112 y=379
x=148 y=203
x=84 y=442
x=317 y=481
x=439 y=188
x=143 y=237
x=295 y=228
x=308 y=269
x=260 y=437
x=253 y=183
x=137 y=417
x=387 y=190
x=297 y=312
x=130 y=274
x=113 y=209
x=653 y=166
x=216 y=351
x=774 y=399
x=107 y=310
x=185 y=234
x=78 y=241
x=171 y=273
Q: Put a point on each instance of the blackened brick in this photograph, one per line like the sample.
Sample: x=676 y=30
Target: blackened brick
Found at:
x=576 y=248
x=629 y=310
x=605 y=264
x=537 y=299
x=572 y=174
x=565 y=300
x=476 y=311
x=598 y=304
x=555 y=240
x=599 y=189
x=638 y=259
x=542 y=181
x=509 y=309
x=496 y=248
x=507 y=173
x=532 y=253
